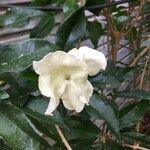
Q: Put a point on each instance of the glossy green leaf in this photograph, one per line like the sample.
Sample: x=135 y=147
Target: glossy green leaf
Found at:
x=21 y=121
x=43 y=129
x=8 y=130
x=86 y=144
x=113 y=76
x=18 y=56
x=3 y=95
x=69 y=7
x=29 y=74
x=95 y=31
x=3 y=145
x=90 y=3
x=110 y=145
x=41 y=2
x=104 y=109
x=37 y=104
x=134 y=93
x=18 y=94
x=44 y=27
x=35 y=109
x=42 y=117
x=78 y=128
x=142 y=138
x=71 y=30
x=18 y=16
x=134 y=115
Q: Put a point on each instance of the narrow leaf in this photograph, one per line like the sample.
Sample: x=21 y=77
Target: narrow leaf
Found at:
x=134 y=115
x=95 y=31
x=134 y=93
x=142 y=138
x=44 y=27
x=106 y=110
x=71 y=30
x=69 y=7
x=21 y=121
x=3 y=95
x=18 y=16
x=18 y=56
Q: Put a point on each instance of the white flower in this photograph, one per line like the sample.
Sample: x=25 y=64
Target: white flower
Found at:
x=63 y=76
x=95 y=60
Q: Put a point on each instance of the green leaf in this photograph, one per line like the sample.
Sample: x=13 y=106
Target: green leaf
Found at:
x=21 y=121
x=18 y=56
x=82 y=144
x=95 y=31
x=134 y=93
x=18 y=16
x=98 y=80
x=43 y=129
x=41 y=2
x=134 y=115
x=80 y=129
x=3 y=145
x=3 y=95
x=29 y=74
x=44 y=27
x=71 y=30
x=37 y=104
x=142 y=138
x=90 y=3
x=110 y=145
x=104 y=108
x=18 y=94
x=14 y=137
x=42 y=117
x=69 y=7
x=113 y=76
x=36 y=108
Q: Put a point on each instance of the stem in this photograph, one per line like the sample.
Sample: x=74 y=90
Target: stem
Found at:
x=144 y=71
x=63 y=138
x=139 y=56
x=135 y=147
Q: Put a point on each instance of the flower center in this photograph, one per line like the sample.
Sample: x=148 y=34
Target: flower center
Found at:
x=67 y=77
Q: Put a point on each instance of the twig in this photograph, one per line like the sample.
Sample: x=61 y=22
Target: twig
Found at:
x=141 y=86
x=63 y=138
x=144 y=71
x=114 y=34
x=135 y=147
x=51 y=8
x=139 y=56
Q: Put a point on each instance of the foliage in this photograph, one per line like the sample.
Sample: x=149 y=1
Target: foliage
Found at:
x=24 y=126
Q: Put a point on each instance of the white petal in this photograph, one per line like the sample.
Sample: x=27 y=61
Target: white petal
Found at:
x=89 y=91
x=95 y=60
x=45 y=85
x=75 y=52
x=53 y=104
x=55 y=60
x=71 y=98
x=60 y=88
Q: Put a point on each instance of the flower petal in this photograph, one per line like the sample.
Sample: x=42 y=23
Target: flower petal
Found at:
x=53 y=104
x=45 y=85
x=53 y=61
x=71 y=97
x=95 y=60
x=75 y=52
x=89 y=91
